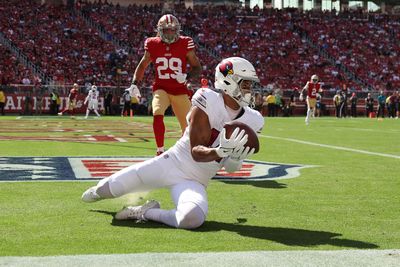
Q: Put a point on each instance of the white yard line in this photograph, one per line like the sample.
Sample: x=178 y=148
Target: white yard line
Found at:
x=362 y=258
x=390 y=131
x=333 y=147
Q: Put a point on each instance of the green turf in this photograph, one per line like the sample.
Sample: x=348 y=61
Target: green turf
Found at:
x=348 y=200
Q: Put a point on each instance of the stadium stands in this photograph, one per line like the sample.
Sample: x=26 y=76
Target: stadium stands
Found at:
x=11 y=70
x=58 y=42
x=287 y=46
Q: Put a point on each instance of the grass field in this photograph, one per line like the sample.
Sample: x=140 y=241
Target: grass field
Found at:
x=350 y=199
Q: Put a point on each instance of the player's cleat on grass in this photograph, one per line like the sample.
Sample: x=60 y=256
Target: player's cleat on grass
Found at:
x=136 y=212
x=90 y=195
x=59 y=113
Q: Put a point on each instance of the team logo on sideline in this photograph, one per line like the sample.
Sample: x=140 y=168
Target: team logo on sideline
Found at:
x=94 y=168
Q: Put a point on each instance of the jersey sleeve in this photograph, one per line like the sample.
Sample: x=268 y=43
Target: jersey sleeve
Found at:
x=201 y=100
x=206 y=100
x=190 y=44
x=147 y=44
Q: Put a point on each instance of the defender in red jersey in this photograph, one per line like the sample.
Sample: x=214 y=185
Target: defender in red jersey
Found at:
x=170 y=54
x=312 y=87
x=73 y=93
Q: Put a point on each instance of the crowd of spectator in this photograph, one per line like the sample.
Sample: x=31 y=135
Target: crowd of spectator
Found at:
x=11 y=70
x=60 y=42
x=366 y=45
x=266 y=37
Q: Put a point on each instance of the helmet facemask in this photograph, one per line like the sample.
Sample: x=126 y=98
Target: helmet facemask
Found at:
x=244 y=94
x=246 y=97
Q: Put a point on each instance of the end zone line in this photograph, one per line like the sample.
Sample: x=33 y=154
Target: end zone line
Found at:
x=332 y=147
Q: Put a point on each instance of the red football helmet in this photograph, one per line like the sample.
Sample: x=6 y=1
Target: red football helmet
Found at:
x=168 y=28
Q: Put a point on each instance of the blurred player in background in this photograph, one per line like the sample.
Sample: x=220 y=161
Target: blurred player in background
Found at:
x=369 y=105
x=318 y=105
x=126 y=100
x=73 y=93
x=93 y=99
x=337 y=100
x=135 y=96
x=312 y=87
x=130 y=96
x=2 y=101
x=381 y=105
x=169 y=52
x=187 y=167
x=108 y=100
x=353 y=101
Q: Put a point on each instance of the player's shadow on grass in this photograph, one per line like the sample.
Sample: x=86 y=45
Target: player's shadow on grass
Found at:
x=262 y=184
x=286 y=236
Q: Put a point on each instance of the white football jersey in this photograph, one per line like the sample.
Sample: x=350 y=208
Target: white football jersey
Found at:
x=93 y=98
x=212 y=103
x=93 y=95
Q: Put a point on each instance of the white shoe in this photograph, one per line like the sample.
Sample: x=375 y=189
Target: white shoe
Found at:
x=136 y=212
x=90 y=195
x=59 y=114
x=86 y=117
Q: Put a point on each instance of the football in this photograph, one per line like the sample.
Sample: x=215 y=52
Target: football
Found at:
x=252 y=141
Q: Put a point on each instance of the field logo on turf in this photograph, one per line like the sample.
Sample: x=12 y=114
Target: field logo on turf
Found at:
x=92 y=168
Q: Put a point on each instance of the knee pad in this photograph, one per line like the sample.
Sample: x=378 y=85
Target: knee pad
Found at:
x=189 y=216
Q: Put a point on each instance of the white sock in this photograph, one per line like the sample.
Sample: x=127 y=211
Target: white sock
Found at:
x=309 y=113
x=87 y=112
x=95 y=111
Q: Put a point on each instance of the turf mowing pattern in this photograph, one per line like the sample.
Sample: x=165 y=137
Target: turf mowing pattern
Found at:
x=350 y=200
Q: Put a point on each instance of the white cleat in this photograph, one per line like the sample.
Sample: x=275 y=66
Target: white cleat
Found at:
x=90 y=195
x=136 y=212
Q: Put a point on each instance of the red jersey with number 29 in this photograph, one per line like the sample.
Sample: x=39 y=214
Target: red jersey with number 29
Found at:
x=168 y=59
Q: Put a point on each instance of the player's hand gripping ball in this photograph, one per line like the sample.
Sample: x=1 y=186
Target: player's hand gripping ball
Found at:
x=252 y=140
